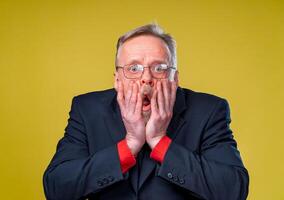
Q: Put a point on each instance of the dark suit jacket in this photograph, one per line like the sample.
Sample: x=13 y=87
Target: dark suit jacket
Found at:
x=202 y=161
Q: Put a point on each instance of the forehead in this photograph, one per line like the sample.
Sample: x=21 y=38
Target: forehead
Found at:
x=144 y=47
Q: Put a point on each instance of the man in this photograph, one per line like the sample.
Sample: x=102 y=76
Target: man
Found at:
x=147 y=138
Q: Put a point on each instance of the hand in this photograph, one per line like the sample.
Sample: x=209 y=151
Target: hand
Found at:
x=131 y=107
x=162 y=103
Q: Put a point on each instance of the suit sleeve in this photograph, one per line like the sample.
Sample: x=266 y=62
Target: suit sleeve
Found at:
x=126 y=158
x=74 y=173
x=216 y=172
x=159 y=151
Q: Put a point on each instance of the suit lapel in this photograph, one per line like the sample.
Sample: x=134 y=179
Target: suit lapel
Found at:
x=148 y=164
x=113 y=119
x=115 y=126
x=174 y=127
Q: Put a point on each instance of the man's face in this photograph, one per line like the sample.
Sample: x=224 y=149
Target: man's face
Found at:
x=146 y=50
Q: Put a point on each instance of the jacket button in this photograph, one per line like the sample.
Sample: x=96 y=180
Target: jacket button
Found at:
x=170 y=175
x=110 y=178
x=105 y=181
x=100 y=183
x=181 y=181
x=176 y=179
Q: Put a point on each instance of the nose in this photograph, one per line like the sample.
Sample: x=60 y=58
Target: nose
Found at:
x=147 y=77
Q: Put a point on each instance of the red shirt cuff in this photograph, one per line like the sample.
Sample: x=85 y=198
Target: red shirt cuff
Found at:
x=159 y=151
x=127 y=159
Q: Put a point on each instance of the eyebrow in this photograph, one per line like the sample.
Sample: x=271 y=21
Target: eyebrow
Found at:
x=136 y=61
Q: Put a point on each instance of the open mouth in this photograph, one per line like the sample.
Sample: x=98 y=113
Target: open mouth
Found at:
x=146 y=103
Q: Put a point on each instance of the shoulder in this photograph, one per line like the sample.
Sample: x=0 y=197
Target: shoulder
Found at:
x=201 y=101
x=95 y=98
x=201 y=97
x=98 y=95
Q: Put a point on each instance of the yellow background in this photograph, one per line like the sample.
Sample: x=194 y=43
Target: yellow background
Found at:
x=51 y=51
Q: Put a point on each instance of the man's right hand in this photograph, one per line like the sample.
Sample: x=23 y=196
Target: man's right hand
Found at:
x=130 y=104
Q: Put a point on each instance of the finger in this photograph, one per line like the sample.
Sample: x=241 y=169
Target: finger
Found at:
x=133 y=98
x=115 y=81
x=128 y=93
x=120 y=96
x=116 y=84
x=173 y=93
x=154 y=106
x=160 y=99
x=166 y=92
x=138 y=108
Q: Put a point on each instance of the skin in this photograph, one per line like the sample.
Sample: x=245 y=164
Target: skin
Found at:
x=148 y=125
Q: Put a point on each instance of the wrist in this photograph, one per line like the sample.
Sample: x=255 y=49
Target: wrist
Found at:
x=152 y=142
x=134 y=146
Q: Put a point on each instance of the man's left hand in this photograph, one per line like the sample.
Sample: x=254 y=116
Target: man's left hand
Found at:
x=162 y=103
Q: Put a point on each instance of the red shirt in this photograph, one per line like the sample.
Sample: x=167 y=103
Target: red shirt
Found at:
x=127 y=159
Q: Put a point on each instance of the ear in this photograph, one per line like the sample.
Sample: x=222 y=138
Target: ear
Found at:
x=115 y=74
x=176 y=78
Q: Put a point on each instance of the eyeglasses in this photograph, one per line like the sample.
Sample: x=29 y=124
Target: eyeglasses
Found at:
x=135 y=71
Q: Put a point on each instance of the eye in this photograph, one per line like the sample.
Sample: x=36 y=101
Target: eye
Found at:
x=135 y=68
x=160 y=68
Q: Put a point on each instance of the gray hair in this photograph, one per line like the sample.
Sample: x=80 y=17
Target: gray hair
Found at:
x=155 y=30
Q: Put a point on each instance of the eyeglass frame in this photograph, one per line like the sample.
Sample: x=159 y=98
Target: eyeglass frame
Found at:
x=122 y=67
